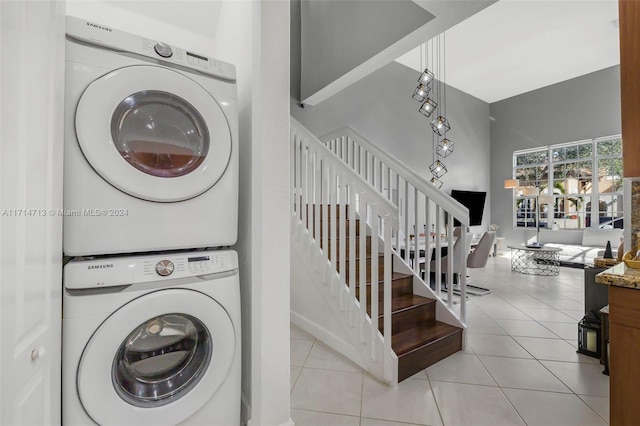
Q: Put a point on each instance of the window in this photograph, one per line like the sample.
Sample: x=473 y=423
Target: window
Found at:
x=579 y=185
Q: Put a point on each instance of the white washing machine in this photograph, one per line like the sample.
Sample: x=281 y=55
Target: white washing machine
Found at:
x=152 y=340
x=151 y=145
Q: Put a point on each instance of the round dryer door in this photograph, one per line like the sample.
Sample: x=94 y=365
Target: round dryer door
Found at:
x=153 y=133
x=156 y=360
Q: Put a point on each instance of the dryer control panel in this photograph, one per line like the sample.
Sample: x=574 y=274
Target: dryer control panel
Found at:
x=111 y=38
x=119 y=271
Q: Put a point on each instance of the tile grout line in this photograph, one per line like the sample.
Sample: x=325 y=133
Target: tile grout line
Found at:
x=434 y=398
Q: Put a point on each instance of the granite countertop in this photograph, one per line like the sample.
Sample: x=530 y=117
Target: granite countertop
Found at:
x=621 y=276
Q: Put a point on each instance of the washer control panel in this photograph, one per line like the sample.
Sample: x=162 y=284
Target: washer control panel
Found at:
x=163 y=49
x=119 y=271
x=164 y=268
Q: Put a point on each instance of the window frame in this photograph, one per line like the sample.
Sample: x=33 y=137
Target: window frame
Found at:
x=546 y=179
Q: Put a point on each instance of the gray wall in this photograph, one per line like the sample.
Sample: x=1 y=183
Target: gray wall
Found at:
x=381 y=108
x=337 y=36
x=582 y=108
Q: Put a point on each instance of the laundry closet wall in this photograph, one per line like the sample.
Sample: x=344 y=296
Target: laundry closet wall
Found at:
x=254 y=37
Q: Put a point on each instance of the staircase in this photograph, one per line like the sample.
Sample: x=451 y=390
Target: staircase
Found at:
x=347 y=232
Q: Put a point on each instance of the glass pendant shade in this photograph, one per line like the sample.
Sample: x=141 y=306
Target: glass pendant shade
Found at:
x=435 y=182
x=426 y=77
x=438 y=169
x=428 y=107
x=440 y=125
x=421 y=92
x=445 y=147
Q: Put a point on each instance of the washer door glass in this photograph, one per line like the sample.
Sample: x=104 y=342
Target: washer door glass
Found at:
x=163 y=370
x=160 y=133
x=161 y=358
x=154 y=133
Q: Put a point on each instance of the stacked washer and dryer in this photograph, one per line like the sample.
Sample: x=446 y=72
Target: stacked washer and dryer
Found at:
x=151 y=307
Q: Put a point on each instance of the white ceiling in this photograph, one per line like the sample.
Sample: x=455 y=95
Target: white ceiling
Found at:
x=515 y=46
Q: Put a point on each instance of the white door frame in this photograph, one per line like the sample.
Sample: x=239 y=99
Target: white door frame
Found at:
x=31 y=139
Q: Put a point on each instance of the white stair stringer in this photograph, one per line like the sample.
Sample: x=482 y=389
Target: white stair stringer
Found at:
x=335 y=318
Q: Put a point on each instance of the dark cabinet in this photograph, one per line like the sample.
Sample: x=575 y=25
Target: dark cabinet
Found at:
x=596 y=296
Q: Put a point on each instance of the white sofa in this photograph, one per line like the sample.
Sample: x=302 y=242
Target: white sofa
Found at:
x=593 y=244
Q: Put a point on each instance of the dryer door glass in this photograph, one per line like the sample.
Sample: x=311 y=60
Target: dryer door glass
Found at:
x=161 y=360
x=160 y=133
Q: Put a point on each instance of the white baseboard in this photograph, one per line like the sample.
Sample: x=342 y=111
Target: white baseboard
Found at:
x=328 y=338
x=287 y=423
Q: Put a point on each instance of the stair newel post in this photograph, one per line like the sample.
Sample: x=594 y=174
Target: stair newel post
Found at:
x=353 y=282
x=375 y=233
x=333 y=200
x=438 y=249
x=342 y=193
x=416 y=233
x=388 y=364
x=463 y=283
x=451 y=272
x=362 y=240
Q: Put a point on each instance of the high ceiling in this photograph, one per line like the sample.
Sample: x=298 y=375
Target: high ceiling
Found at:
x=515 y=46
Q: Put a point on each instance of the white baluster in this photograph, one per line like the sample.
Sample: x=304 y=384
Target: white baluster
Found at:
x=362 y=239
x=438 y=253
x=375 y=232
x=388 y=374
x=450 y=257
x=352 y=253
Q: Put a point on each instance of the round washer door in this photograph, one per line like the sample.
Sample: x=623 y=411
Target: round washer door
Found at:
x=156 y=360
x=153 y=133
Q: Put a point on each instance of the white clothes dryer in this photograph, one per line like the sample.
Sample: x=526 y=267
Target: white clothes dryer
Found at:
x=151 y=145
x=152 y=340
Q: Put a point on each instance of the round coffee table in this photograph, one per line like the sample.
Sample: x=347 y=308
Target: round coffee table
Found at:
x=535 y=261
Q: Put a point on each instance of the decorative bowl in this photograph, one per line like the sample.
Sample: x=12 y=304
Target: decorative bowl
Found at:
x=629 y=259
x=633 y=264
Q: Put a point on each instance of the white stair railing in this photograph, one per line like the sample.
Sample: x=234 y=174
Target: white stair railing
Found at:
x=323 y=186
x=426 y=214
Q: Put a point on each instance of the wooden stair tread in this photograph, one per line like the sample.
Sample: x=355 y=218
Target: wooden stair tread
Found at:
x=418 y=337
x=395 y=276
x=408 y=301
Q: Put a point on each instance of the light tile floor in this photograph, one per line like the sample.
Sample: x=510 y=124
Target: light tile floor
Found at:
x=520 y=366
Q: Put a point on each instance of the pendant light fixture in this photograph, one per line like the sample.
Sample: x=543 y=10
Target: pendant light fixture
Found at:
x=436 y=182
x=428 y=107
x=440 y=126
x=438 y=169
x=426 y=77
x=431 y=92
x=445 y=148
x=421 y=93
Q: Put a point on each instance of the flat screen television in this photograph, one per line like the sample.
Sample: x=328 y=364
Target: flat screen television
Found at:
x=474 y=201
